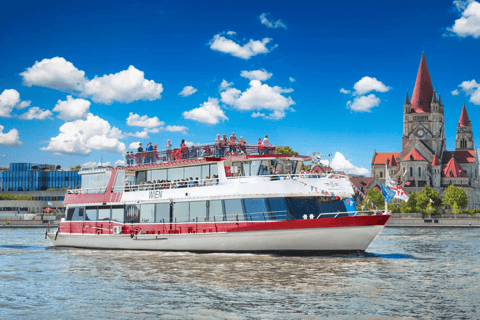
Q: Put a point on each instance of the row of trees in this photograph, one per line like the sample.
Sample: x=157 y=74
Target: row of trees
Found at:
x=427 y=201
x=7 y=196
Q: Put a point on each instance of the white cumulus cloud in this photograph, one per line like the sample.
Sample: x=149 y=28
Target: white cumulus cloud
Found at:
x=209 y=112
x=36 y=113
x=271 y=24
x=455 y=92
x=134 y=145
x=224 y=85
x=246 y=51
x=259 y=97
x=9 y=99
x=72 y=108
x=469 y=22
x=140 y=134
x=11 y=138
x=187 y=91
x=339 y=163
x=119 y=163
x=291 y=79
x=135 y=120
x=93 y=164
x=344 y=91
x=261 y=75
x=56 y=73
x=471 y=88
x=367 y=84
x=81 y=136
x=363 y=103
x=175 y=128
x=125 y=86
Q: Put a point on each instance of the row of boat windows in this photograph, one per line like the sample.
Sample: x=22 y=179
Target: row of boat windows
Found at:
x=209 y=211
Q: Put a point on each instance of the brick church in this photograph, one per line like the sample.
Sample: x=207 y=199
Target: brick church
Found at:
x=424 y=159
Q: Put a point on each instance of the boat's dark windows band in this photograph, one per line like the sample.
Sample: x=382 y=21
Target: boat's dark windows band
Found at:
x=234 y=208
x=331 y=209
x=301 y=206
x=181 y=212
x=132 y=213
x=215 y=210
x=70 y=212
x=91 y=214
x=198 y=211
x=162 y=212
x=147 y=213
x=75 y=214
x=256 y=209
x=193 y=172
x=213 y=170
x=118 y=213
x=277 y=209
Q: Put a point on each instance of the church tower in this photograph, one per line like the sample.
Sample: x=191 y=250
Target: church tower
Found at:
x=464 y=138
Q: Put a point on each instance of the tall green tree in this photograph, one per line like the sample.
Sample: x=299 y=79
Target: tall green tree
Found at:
x=412 y=202
x=457 y=195
x=286 y=150
x=376 y=197
x=428 y=196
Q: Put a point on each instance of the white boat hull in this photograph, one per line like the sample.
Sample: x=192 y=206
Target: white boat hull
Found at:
x=303 y=241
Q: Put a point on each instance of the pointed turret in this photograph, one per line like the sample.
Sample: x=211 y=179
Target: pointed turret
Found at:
x=407 y=99
x=423 y=91
x=434 y=98
x=440 y=98
x=464 y=120
x=435 y=161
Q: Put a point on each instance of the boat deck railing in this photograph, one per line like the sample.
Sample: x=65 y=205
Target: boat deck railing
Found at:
x=195 y=152
x=187 y=183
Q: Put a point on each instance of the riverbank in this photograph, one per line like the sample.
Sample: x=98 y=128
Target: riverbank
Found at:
x=28 y=224
x=434 y=223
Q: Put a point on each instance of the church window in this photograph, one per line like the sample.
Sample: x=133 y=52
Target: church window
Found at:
x=381 y=174
x=411 y=171
x=419 y=171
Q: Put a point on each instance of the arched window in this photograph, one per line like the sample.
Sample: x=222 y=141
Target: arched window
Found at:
x=381 y=174
x=419 y=171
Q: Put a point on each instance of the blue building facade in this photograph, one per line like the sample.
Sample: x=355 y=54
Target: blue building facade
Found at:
x=35 y=177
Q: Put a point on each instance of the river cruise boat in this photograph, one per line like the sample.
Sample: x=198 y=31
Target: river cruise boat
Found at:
x=216 y=199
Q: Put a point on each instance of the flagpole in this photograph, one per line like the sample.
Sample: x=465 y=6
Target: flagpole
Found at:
x=386 y=174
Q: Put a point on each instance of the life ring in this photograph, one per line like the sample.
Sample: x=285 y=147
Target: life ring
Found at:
x=303 y=175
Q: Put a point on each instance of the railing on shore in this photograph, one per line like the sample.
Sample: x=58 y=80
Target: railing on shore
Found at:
x=195 y=152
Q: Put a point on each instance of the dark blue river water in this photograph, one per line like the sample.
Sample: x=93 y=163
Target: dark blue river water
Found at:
x=406 y=273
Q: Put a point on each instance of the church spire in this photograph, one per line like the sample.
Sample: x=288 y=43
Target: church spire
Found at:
x=407 y=98
x=423 y=91
x=464 y=120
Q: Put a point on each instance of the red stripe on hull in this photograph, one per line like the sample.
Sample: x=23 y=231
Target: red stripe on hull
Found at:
x=211 y=227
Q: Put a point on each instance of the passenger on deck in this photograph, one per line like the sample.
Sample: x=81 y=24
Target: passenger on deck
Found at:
x=266 y=145
x=288 y=175
x=218 y=145
x=232 y=142
x=260 y=146
x=206 y=181
x=149 y=153
x=168 y=147
x=184 y=149
x=224 y=144
x=242 y=145
x=140 y=154
x=127 y=187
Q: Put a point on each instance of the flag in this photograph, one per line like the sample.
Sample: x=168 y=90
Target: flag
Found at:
x=400 y=193
x=388 y=193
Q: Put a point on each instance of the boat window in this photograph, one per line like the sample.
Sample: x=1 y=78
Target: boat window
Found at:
x=246 y=169
x=141 y=177
x=176 y=174
x=193 y=172
x=75 y=214
x=215 y=210
x=119 y=181
x=104 y=213
x=95 y=183
x=256 y=209
x=91 y=214
x=181 y=211
x=118 y=214
x=278 y=209
x=157 y=175
x=162 y=212
x=213 y=170
x=233 y=208
x=302 y=206
x=147 y=212
x=205 y=171
x=198 y=210
x=132 y=213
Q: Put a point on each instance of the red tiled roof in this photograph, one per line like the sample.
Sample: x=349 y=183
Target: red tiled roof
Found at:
x=453 y=169
x=423 y=91
x=465 y=156
x=365 y=181
x=435 y=161
x=393 y=161
x=381 y=158
x=415 y=155
x=464 y=121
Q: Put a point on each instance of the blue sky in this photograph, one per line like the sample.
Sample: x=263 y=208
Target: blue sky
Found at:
x=87 y=80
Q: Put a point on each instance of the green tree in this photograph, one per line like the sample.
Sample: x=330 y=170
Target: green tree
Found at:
x=455 y=209
x=286 y=150
x=425 y=198
x=404 y=207
x=376 y=197
x=453 y=195
x=76 y=168
x=412 y=202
